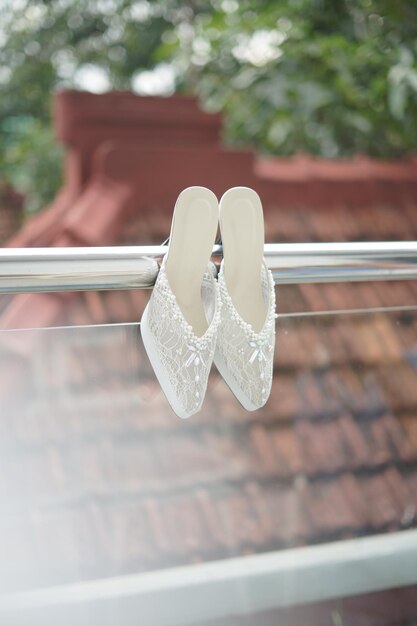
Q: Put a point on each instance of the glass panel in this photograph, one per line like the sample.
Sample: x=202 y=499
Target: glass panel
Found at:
x=99 y=478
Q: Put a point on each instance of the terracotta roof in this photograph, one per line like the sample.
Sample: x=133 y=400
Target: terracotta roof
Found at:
x=95 y=466
x=332 y=455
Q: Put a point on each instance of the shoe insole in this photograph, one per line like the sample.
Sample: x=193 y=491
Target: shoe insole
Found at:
x=193 y=233
x=242 y=229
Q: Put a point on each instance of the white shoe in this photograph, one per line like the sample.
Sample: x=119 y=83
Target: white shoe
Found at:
x=246 y=336
x=179 y=324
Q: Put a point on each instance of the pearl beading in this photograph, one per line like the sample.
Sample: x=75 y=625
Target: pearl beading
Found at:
x=263 y=336
x=185 y=357
x=199 y=343
x=248 y=355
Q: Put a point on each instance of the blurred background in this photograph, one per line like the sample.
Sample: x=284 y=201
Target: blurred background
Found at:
x=330 y=78
x=108 y=108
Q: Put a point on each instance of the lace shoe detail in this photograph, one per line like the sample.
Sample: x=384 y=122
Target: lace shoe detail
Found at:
x=185 y=358
x=247 y=356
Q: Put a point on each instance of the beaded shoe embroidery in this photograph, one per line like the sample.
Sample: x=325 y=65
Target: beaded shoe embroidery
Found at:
x=181 y=359
x=244 y=357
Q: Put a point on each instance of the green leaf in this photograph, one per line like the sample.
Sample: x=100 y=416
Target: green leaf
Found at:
x=397 y=99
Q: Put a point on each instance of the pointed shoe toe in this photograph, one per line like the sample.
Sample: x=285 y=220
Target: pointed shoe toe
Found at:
x=244 y=357
x=181 y=360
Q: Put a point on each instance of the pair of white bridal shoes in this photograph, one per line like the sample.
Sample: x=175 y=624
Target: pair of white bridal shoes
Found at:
x=192 y=319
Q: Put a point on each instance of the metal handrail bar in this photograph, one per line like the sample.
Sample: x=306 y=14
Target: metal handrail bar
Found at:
x=241 y=586
x=136 y=267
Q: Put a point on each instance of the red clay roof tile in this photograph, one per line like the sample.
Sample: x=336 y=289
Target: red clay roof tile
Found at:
x=259 y=504
x=157 y=525
x=399 y=383
x=354 y=440
x=314 y=297
x=267 y=462
x=329 y=507
x=398 y=438
x=288 y=509
x=350 y=487
x=382 y=509
x=288 y=448
x=283 y=401
x=290 y=351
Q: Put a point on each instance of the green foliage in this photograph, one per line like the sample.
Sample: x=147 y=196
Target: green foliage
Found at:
x=44 y=45
x=329 y=77
x=31 y=160
x=339 y=78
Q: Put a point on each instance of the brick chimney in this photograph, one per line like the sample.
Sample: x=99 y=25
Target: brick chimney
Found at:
x=83 y=121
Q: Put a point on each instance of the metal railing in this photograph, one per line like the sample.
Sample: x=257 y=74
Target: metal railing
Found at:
x=135 y=267
x=241 y=586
